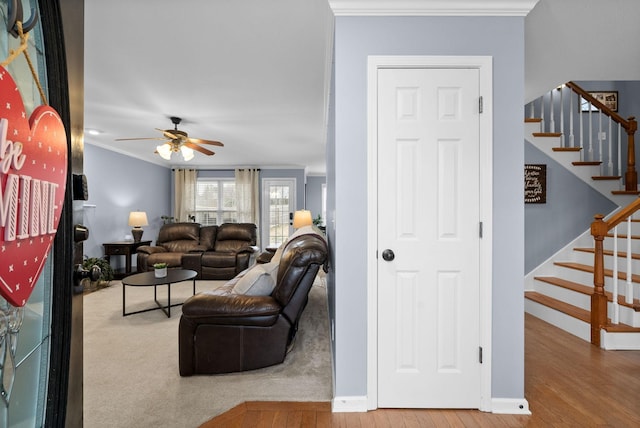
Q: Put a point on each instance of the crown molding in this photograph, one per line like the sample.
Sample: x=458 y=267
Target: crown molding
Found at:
x=431 y=7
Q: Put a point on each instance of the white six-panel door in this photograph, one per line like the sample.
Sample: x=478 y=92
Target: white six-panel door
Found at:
x=428 y=201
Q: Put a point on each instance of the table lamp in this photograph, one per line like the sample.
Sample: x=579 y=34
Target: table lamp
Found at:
x=302 y=218
x=137 y=219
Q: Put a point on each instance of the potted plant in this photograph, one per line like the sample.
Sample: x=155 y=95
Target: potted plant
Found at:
x=160 y=270
x=106 y=271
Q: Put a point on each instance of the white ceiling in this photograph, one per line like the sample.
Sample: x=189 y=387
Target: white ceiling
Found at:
x=253 y=74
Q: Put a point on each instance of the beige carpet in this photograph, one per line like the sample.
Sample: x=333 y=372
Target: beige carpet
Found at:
x=131 y=374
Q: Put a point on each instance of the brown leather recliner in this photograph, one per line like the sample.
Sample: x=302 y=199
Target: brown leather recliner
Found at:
x=233 y=247
x=223 y=332
x=214 y=252
x=174 y=240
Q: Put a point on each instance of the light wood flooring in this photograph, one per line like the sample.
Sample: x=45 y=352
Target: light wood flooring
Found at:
x=568 y=383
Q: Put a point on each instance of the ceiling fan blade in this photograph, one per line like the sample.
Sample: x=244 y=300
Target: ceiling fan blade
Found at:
x=149 y=138
x=210 y=142
x=199 y=149
x=167 y=134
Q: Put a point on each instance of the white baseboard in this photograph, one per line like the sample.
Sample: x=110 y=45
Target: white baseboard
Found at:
x=349 y=404
x=352 y=404
x=512 y=406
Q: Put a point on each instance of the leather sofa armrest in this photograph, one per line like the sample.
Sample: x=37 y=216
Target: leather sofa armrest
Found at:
x=232 y=309
x=149 y=249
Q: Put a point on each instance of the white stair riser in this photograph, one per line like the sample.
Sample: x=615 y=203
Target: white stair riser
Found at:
x=586 y=278
x=627 y=315
x=564 y=294
x=587 y=259
x=559 y=319
x=620 y=341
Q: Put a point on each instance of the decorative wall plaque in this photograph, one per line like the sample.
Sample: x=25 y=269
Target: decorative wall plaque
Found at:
x=535 y=184
x=33 y=172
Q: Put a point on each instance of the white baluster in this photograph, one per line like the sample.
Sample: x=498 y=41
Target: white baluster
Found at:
x=590 y=134
x=532 y=112
x=619 y=149
x=600 y=139
x=616 y=309
x=629 y=288
x=610 y=145
x=552 y=119
x=571 y=97
x=561 y=116
x=581 y=131
x=542 y=121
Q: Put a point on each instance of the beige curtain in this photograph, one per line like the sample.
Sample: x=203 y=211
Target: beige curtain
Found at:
x=247 y=196
x=185 y=193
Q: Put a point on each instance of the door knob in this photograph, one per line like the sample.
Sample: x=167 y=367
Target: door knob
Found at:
x=388 y=255
x=80 y=273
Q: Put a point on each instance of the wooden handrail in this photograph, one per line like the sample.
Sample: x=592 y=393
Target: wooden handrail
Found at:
x=630 y=126
x=600 y=106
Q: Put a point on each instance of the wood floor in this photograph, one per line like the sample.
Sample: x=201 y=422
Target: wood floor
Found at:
x=568 y=383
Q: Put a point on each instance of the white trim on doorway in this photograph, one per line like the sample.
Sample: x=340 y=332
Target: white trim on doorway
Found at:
x=485 y=65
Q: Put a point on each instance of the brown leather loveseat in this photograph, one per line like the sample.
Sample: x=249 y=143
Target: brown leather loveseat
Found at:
x=214 y=252
x=222 y=331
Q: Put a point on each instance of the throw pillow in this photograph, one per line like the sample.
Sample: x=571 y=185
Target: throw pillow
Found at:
x=256 y=282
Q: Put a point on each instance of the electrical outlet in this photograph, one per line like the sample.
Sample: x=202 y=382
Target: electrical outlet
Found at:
x=602 y=136
x=333 y=330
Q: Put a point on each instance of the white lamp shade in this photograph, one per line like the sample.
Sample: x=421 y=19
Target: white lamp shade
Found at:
x=187 y=153
x=164 y=151
x=302 y=218
x=138 y=218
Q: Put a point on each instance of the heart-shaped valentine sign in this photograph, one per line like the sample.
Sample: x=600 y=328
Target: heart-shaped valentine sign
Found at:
x=33 y=173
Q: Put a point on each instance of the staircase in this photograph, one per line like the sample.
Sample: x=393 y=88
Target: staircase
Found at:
x=560 y=290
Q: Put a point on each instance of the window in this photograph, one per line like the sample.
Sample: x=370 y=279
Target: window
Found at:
x=215 y=201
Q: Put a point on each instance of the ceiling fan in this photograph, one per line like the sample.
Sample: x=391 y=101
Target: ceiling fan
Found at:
x=178 y=141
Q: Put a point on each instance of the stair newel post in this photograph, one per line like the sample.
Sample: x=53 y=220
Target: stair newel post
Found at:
x=631 y=176
x=598 y=299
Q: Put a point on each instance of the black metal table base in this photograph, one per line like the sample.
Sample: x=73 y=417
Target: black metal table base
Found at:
x=166 y=309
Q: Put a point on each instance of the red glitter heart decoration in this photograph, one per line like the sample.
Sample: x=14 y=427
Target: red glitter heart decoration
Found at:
x=33 y=173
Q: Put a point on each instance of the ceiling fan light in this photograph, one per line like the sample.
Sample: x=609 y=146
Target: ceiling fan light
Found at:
x=187 y=153
x=164 y=151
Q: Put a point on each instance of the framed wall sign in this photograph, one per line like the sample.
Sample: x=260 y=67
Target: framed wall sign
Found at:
x=535 y=184
x=609 y=99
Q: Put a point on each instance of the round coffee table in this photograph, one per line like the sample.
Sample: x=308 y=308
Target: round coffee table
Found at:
x=148 y=279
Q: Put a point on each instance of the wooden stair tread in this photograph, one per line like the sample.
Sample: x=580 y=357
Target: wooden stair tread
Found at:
x=605 y=177
x=587 y=268
x=566 y=149
x=626 y=192
x=621 y=254
x=586 y=290
x=564 y=283
x=576 y=312
x=565 y=308
x=546 y=134
x=533 y=120
x=621 y=328
x=610 y=235
x=586 y=163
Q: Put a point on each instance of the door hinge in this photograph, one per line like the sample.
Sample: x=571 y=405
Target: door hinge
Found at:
x=480 y=229
x=480 y=354
x=480 y=104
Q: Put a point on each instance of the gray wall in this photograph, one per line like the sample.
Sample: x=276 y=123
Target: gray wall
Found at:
x=355 y=39
x=314 y=194
x=568 y=212
x=120 y=184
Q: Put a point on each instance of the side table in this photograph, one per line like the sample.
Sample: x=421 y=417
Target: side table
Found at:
x=122 y=248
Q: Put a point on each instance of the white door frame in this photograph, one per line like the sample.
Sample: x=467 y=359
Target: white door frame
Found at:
x=485 y=65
